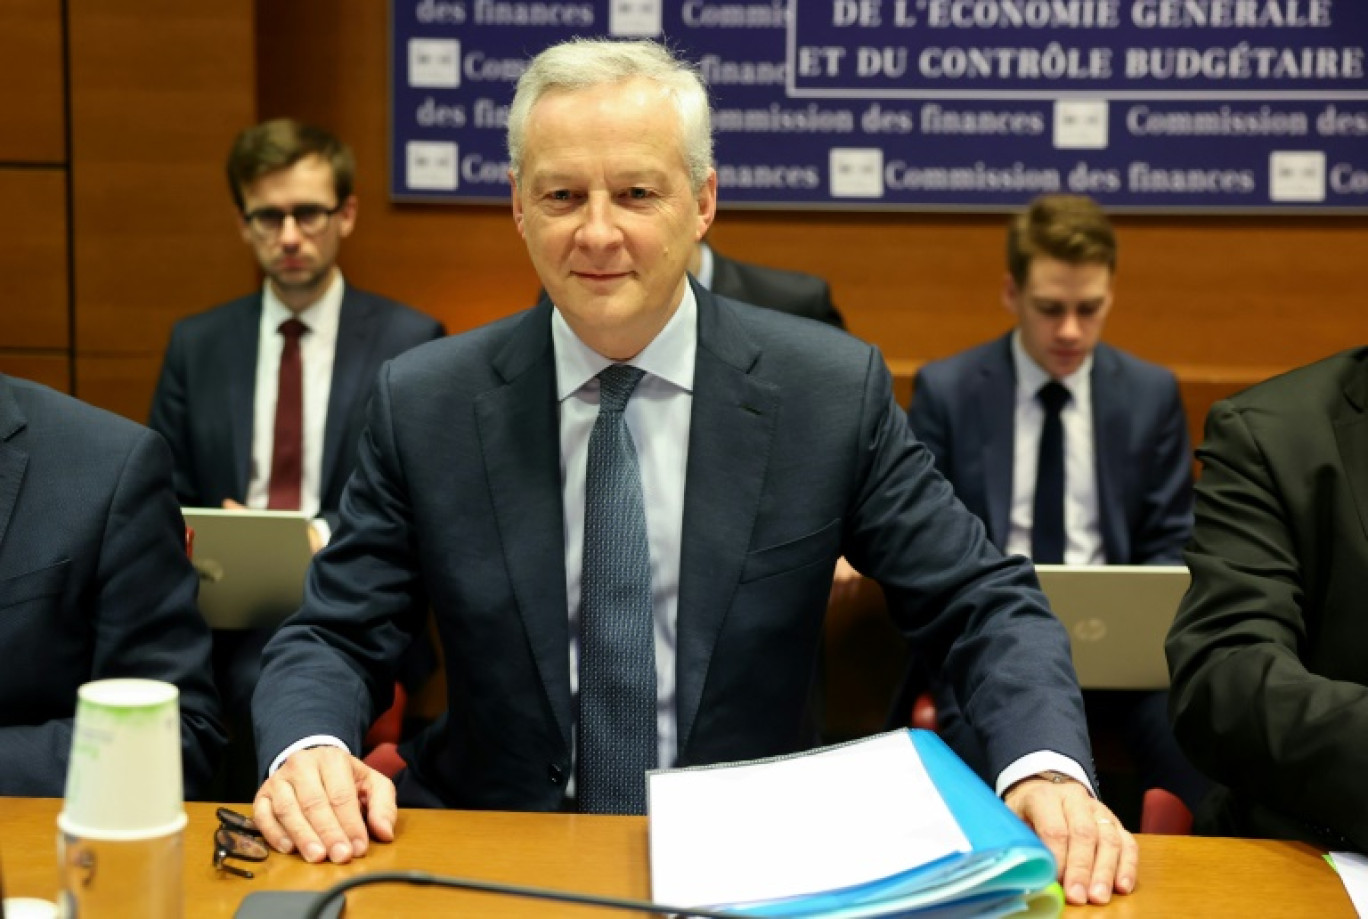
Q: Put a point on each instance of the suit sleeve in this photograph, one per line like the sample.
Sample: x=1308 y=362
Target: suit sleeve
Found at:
x=330 y=668
x=1166 y=514
x=1245 y=708
x=976 y=615
x=141 y=606
x=169 y=419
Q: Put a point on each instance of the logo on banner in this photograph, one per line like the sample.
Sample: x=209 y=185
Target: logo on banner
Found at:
x=431 y=165
x=634 y=18
x=856 y=172
x=1080 y=124
x=434 y=62
x=1296 y=175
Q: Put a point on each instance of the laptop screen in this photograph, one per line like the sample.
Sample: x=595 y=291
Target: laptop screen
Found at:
x=1117 y=617
x=251 y=564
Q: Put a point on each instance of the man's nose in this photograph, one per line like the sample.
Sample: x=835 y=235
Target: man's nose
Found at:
x=599 y=227
x=289 y=232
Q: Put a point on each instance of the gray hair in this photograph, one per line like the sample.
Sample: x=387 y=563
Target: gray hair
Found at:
x=586 y=63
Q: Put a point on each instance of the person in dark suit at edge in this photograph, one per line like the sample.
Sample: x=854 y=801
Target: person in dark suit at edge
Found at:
x=1126 y=462
x=504 y=475
x=240 y=433
x=793 y=292
x=94 y=583
x=1268 y=654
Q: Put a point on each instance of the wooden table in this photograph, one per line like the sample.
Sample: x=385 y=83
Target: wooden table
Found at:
x=1180 y=875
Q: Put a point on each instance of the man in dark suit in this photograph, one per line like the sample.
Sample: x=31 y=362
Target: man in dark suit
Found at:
x=216 y=400
x=1127 y=483
x=793 y=292
x=1269 y=651
x=599 y=616
x=94 y=583
x=240 y=435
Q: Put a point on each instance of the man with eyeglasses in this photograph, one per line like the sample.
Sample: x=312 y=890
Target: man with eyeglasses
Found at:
x=262 y=399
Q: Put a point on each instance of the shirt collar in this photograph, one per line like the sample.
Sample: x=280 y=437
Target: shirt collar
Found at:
x=669 y=356
x=1030 y=376
x=320 y=315
x=705 y=265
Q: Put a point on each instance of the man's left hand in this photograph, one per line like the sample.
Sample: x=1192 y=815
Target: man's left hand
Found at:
x=1095 y=853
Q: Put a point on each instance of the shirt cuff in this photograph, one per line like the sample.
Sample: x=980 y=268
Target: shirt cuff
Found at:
x=320 y=526
x=1038 y=762
x=315 y=740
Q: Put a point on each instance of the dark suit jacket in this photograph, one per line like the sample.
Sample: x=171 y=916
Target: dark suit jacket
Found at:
x=204 y=399
x=964 y=408
x=797 y=453
x=1269 y=651
x=94 y=582
x=774 y=288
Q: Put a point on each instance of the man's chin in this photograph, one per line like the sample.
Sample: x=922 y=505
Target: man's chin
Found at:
x=1063 y=368
x=297 y=280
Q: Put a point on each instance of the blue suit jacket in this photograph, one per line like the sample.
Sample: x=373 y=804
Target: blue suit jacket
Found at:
x=963 y=409
x=94 y=583
x=204 y=398
x=797 y=454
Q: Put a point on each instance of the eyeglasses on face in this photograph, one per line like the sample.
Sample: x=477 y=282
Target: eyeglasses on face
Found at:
x=237 y=837
x=308 y=218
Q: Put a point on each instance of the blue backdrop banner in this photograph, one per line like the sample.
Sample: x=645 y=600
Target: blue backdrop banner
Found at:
x=1147 y=105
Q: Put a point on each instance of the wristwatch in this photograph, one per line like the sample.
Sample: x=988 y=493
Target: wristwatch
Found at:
x=1052 y=775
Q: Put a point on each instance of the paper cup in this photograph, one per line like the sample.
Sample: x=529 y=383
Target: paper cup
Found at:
x=124 y=777
x=29 y=908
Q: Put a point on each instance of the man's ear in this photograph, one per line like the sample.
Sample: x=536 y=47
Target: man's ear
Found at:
x=517 y=202
x=346 y=217
x=244 y=230
x=707 y=204
x=1011 y=295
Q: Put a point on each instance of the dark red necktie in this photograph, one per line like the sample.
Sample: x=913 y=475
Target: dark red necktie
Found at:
x=287 y=452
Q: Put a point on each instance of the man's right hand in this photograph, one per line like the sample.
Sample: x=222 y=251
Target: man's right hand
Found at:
x=322 y=801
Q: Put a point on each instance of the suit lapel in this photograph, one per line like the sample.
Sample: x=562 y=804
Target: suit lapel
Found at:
x=997 y=415
x=1110 y=419
x=13 y=459
x=520 y=442
x=731 y=428
x=354 y=342
x=245 y=334
x=1351 y=435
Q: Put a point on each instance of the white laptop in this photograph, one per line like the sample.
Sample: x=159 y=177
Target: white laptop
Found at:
x=251 y=565
x=1118 y=617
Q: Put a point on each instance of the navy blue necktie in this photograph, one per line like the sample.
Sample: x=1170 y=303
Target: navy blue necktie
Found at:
x=1047 y=517
x=617 y=674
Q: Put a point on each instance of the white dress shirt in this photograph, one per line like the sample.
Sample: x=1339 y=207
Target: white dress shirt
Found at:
x=317 y=348
x=1082 y=522
x=705 y=266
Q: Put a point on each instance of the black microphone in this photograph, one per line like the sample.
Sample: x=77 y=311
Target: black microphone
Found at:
x=423 y=878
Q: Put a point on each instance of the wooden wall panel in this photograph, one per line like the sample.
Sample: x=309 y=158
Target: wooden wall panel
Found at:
x=1249 y=291
x=49 y=369
x=33 y=258
x=33 y=126
x=122 y=383
x=159 y=88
